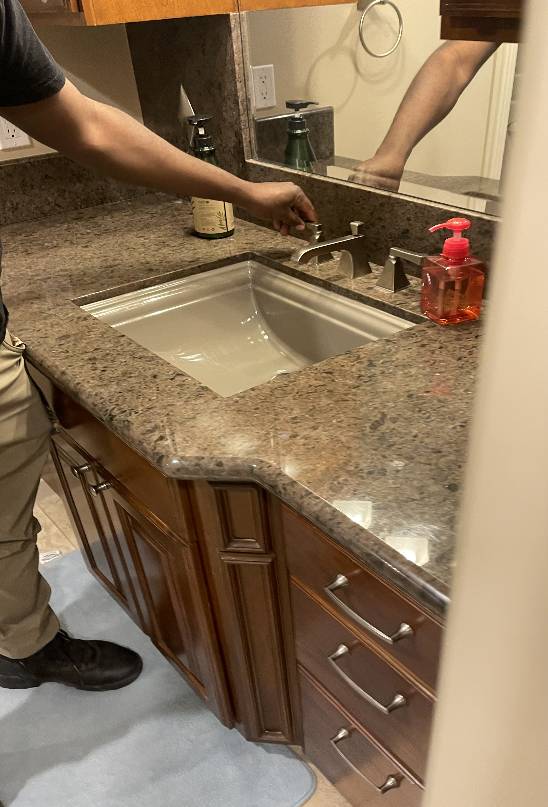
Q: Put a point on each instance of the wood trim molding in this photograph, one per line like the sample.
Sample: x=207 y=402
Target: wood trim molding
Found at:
x=481 y=29
x=253 y=585
x=482 y=8
x=243 y=526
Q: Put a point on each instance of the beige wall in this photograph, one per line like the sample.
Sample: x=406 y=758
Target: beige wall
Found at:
x=490 y=739
x=98 y=61
x=317 y=55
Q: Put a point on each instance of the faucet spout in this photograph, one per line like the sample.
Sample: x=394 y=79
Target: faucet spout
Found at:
x=353 y=261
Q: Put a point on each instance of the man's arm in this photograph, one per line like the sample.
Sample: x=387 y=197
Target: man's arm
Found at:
x=112 y=143
x=431 y=96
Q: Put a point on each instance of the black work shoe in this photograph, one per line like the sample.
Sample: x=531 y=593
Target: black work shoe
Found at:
x=91 y=665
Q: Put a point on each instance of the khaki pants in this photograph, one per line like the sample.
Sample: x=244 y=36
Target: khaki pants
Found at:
x=27 y=623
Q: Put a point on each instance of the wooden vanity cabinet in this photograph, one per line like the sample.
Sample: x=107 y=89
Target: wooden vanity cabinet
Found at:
x=482 y=20
x=284 y=633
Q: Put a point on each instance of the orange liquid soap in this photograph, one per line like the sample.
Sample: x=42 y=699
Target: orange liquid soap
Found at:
x=452 y=283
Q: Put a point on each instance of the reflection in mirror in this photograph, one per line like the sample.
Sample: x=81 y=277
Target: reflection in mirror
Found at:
x=392 y=107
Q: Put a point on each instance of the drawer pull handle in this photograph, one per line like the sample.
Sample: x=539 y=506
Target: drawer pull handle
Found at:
x=397 y=701
x=391 y=782
x=80 y=470
x=342 y=582
x=96 y=490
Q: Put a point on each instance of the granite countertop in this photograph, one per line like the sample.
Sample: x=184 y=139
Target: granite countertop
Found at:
x=370 y=445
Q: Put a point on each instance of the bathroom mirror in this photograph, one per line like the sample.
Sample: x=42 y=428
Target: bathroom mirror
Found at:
x=316 y=54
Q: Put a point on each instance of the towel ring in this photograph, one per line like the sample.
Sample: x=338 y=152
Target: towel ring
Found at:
x=365 y=12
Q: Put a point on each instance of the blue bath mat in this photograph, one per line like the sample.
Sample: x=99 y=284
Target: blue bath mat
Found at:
x=153 y=744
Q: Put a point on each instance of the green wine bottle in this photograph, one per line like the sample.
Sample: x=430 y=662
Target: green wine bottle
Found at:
x=299 y=152
x=212 y=219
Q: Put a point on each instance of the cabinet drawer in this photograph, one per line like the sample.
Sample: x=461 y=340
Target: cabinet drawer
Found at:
x=357 y=677
x=370 y=606
x=356 y=767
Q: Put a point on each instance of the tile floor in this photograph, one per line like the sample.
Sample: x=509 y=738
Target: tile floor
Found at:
x=57 y=537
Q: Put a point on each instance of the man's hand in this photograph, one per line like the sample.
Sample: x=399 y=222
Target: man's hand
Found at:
x=284 y=203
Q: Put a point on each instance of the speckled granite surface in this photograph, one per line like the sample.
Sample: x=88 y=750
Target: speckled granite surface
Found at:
x=376 y=436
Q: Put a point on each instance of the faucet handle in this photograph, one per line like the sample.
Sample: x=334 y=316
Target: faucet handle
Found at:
x=357 y=227
x=316 y=231
x=406 y=255
x=393 y=278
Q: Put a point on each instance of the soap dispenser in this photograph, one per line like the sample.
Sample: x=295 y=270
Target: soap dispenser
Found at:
x=299 y=152
x=212 y=219
x=452 y=283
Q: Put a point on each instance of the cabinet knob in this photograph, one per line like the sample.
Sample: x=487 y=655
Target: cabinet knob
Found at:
x=80 y=470
x=96 y=490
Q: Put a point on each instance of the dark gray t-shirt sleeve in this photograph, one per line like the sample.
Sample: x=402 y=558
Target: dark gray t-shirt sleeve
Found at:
x=28 y=72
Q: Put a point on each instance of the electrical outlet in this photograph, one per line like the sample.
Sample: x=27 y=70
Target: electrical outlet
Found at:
x=264 y=88
x=11 y=137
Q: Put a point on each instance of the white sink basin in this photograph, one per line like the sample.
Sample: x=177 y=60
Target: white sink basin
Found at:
x=238 y=326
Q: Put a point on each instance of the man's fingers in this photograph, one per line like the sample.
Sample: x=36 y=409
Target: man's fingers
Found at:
x=304 y=207
x=292 y=218
x=281 y=226
x=295 y=213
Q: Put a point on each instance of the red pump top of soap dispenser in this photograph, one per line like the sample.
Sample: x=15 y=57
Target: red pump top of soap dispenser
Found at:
x=457 y=247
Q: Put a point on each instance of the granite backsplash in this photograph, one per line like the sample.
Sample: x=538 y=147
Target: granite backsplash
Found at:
x=42 y=186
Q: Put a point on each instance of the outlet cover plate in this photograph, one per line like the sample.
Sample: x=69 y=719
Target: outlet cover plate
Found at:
x=264 y=86
x=11 y=137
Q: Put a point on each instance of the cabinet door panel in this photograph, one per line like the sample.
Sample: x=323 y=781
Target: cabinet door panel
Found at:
x=137 y=603
x=154 y=572
x=160 y=565
x=87 y=518
x=161 y=593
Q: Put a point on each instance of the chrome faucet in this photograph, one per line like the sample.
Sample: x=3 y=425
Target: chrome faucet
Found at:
x=353 y=261
x=393 y=278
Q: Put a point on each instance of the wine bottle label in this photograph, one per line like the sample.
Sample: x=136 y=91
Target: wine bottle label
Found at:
x=211 y=217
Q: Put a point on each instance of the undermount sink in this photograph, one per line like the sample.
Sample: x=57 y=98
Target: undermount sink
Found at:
x=237 y=326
